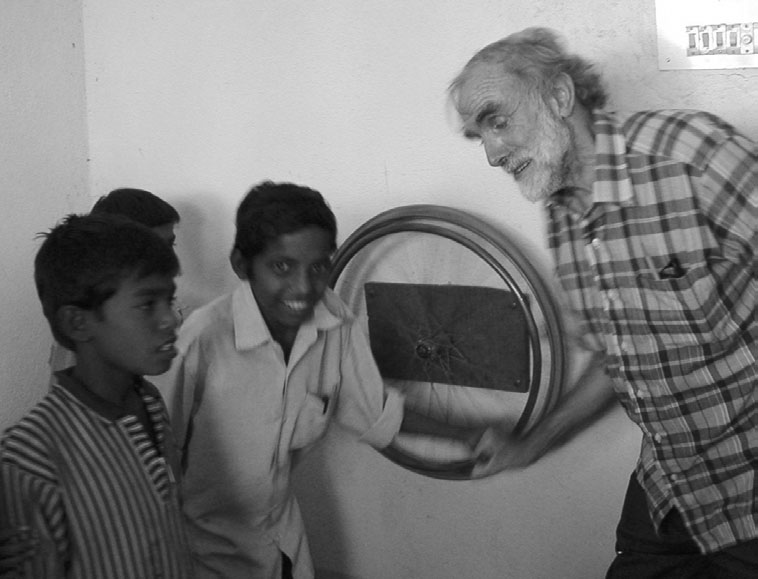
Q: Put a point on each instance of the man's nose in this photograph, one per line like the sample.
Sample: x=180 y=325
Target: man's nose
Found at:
x=496 y=154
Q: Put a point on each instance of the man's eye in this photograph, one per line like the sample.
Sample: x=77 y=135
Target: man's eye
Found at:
x=496 y=122
x=147 y=306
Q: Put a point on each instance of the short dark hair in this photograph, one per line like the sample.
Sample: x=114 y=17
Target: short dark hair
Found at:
x=271 y=209
x=536 y=55
x=84 y=258
x=138 y=205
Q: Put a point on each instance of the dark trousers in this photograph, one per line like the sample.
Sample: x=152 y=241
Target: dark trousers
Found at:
x=286 y=567
x=641 y=553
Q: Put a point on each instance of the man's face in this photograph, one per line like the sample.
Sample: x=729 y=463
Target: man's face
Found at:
x=519 y=131
x=289 y=277
x=134 y=331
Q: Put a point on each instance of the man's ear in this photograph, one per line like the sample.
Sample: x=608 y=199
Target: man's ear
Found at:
x=239 y=263
x=74 y=322
x=563 y=96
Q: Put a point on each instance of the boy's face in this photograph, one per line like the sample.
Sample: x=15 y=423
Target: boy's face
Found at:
x=289 y=277
x=134 y=331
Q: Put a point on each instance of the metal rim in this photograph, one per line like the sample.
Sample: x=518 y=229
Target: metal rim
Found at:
x=473 y=234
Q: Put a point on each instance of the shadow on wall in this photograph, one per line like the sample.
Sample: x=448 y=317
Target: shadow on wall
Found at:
x=204 y=239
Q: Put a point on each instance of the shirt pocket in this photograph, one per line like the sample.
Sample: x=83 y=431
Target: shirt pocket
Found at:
x=312 y=419
x=687 y=310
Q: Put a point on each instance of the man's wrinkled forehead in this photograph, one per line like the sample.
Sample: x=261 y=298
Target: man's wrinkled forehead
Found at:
x=482 y=83
x=484 y=91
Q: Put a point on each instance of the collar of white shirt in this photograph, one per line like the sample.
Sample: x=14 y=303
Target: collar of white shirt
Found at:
x=250 y=330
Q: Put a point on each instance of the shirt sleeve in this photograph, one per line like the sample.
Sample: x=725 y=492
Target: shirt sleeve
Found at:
x=366 y=407
x=178 y=388
x=29 y=502
x=729 y=197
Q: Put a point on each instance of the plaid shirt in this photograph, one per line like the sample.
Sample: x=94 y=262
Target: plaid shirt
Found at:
x=661 y=270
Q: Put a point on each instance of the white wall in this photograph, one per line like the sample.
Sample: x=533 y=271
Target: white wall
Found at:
x=43 y=174
x=197 y=100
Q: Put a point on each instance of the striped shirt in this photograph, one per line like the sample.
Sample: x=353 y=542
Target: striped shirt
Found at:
x=661 y=269
x=98 y=493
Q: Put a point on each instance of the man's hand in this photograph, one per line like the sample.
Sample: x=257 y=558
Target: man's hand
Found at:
x=498 y=450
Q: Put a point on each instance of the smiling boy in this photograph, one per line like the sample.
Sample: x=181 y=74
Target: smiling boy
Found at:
x=260 y=375
x=90 y=469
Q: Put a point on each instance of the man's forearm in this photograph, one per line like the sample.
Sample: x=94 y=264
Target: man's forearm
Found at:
x=591 y=394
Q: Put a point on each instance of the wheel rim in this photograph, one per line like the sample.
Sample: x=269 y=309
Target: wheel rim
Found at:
x=459 y=247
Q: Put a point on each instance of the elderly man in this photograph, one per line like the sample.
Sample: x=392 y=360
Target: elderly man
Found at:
x=652 y=221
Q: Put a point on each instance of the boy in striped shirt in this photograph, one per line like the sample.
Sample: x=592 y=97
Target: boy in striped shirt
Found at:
x=140 y=206
x=90 y=469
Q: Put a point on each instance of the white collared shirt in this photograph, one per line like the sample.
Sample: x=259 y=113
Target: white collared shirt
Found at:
x=239 y=411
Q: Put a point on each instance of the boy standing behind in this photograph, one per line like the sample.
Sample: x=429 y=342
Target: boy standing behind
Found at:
x=140 y=206
x=90 y=469
x=143 y=207
x=260 y=374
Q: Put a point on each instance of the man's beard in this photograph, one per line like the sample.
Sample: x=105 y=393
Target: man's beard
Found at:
x=551 y=167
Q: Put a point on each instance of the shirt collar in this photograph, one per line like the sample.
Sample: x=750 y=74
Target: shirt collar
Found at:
x=250 y=329
x=612 y=182
x=66 y=380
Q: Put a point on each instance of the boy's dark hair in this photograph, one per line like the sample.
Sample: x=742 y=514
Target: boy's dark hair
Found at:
x=272 y=209
x=139 y=205
x=84 y=259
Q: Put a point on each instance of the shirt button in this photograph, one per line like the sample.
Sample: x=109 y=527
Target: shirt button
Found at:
x=658 y=438
x=595 y=242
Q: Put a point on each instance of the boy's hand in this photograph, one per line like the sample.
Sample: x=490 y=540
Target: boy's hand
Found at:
x=473 y=436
